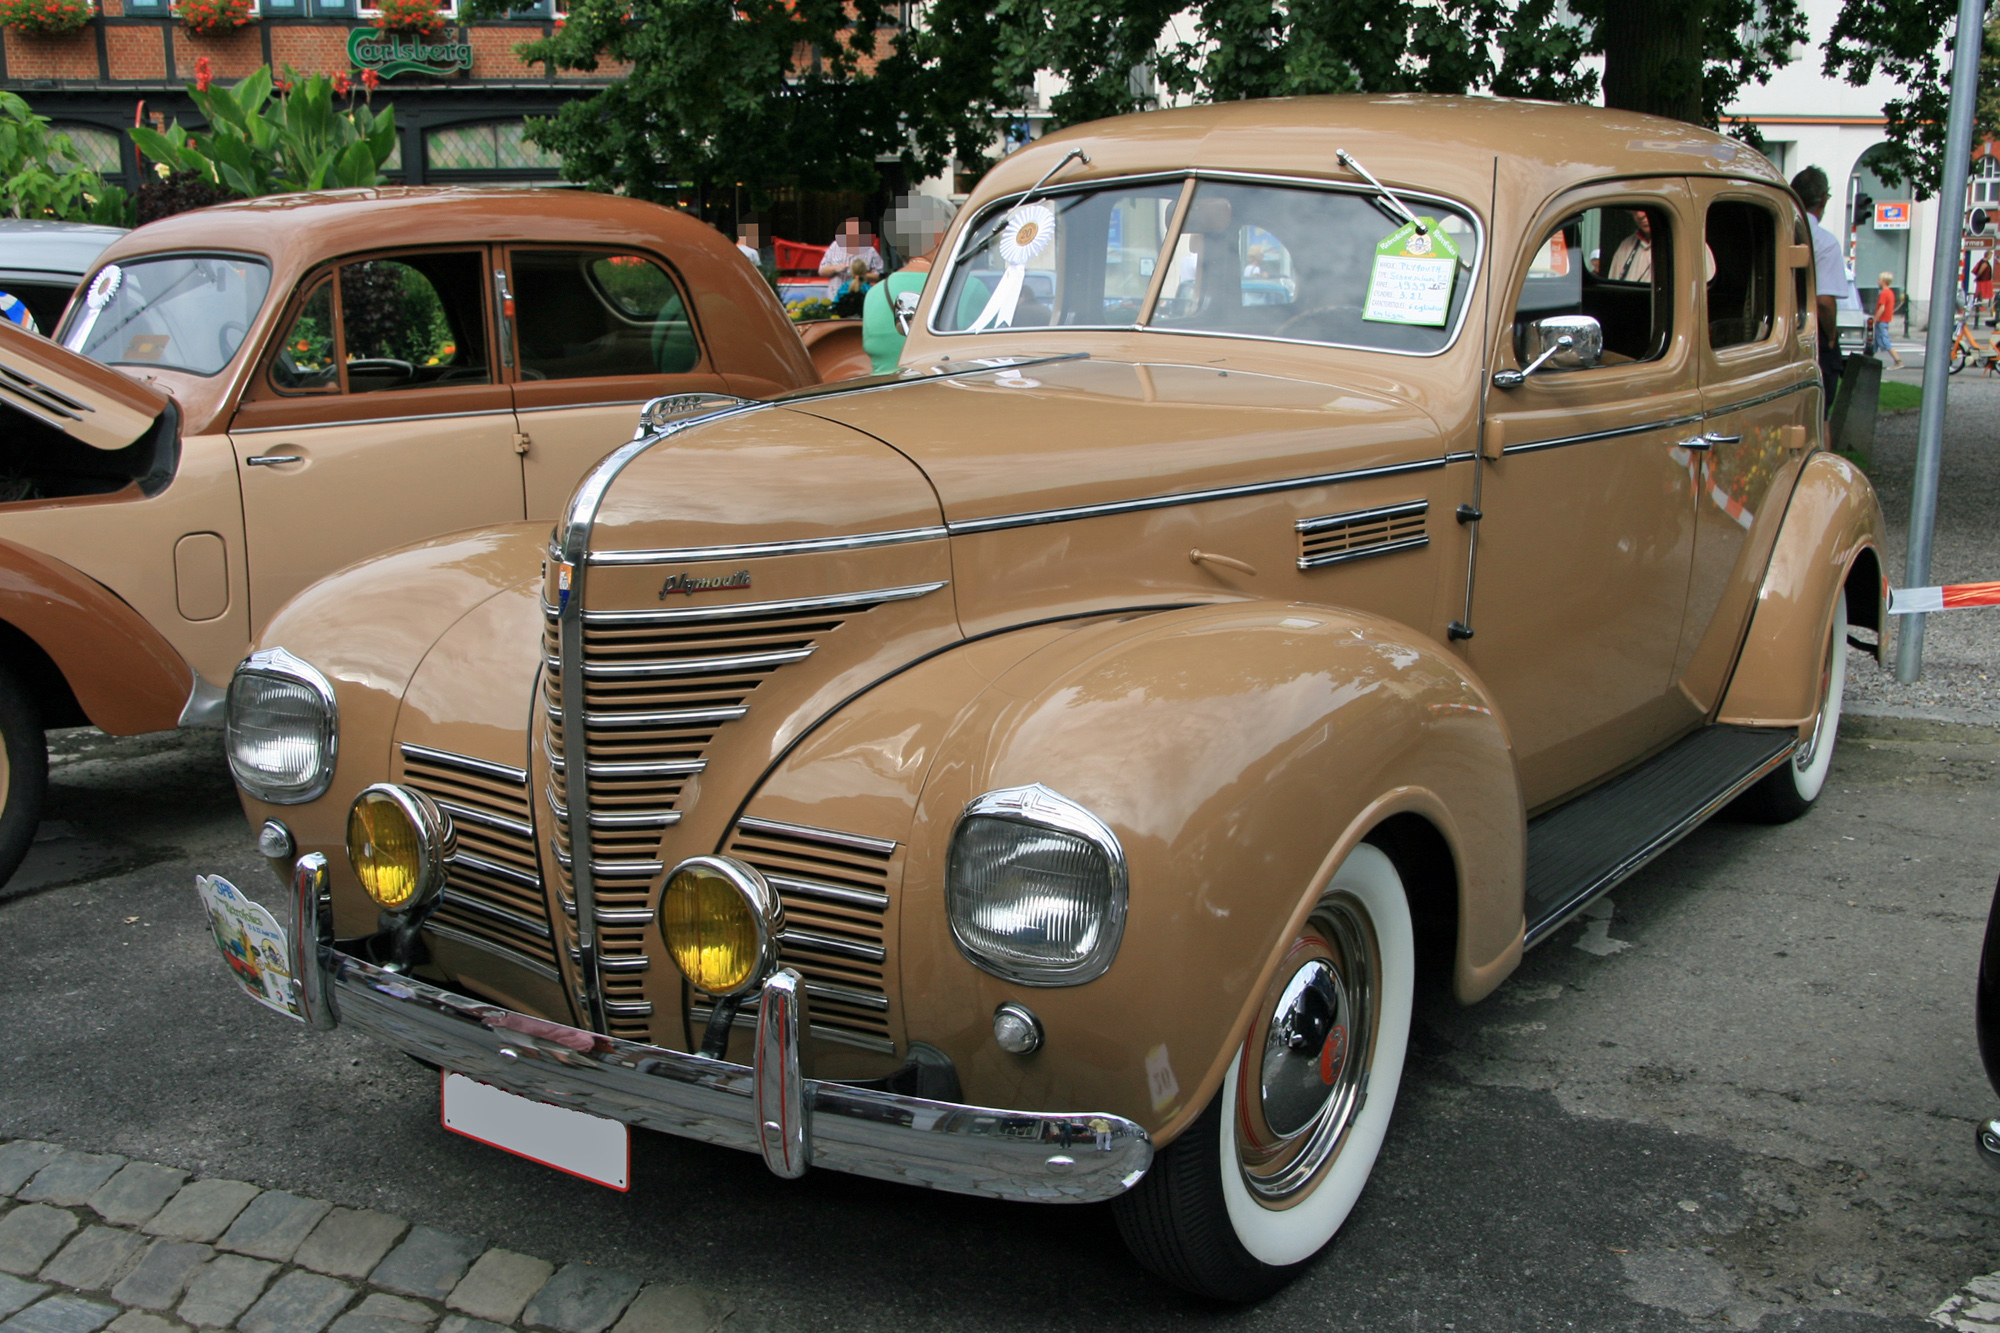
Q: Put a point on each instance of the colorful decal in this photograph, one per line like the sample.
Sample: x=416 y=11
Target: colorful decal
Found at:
x=1413 y=277
x=1160 y=1078
x=1892 y=217
x=251 y=943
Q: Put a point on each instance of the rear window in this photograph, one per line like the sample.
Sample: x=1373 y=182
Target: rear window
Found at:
x=181 y=312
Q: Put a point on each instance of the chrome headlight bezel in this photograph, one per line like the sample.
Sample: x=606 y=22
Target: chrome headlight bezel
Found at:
x=435 y=834
x=275 y=664
x=1037 y=807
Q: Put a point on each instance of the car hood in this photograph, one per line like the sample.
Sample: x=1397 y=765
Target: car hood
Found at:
x=84 y=399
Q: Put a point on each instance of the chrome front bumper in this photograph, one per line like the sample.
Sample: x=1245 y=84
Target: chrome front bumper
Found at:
x=768 y=1108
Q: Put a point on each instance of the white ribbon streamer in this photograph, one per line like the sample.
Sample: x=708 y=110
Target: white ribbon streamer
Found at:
x=1029 y=233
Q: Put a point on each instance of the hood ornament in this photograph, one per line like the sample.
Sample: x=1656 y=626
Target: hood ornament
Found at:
x=691 y=584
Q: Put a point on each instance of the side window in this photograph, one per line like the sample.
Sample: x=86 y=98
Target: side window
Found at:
x=304 y=362
x=581 y=314
x=413 y=321
x=1742 y=301
x=1614 y=264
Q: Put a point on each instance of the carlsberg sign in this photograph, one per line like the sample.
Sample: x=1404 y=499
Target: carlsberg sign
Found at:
x=393 y=53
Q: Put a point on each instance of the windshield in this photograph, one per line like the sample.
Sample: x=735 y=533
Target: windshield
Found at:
x=1248 y=260
x=188 y=312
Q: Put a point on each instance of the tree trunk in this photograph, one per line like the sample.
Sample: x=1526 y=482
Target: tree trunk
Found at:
x=1653 y=56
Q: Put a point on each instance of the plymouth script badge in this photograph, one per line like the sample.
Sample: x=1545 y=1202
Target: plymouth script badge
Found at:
x=692 y=583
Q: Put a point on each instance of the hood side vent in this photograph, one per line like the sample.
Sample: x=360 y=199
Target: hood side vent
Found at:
x=1337 y=538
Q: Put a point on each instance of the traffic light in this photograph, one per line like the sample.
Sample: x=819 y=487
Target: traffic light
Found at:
x=1864 y=209
x=1976 y=224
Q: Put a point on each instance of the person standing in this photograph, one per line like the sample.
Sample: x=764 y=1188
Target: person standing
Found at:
x=1885 y=311
x=1836 y=289
x=917 y=226
x=1982 y=285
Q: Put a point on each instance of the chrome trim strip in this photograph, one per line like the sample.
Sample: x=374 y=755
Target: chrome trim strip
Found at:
x=1353 y=516
x=1070 y=1157
x=667 y=768
x=621 y=963
x=676 y=717
x=833 y=893
x=623 y=916
x=486 y=768
x=857 y=841
x=375 y=421
x=1363 y=553
x=629 y=1008
x=469 y=814
x=571 y=407
x=1591 y=437
x=1761 y=399
x=960 y=527
x=748 y=610
x=1172 y=239
x=575 y=530
x=815 y=942
x=696 y=666
x=500 y=951
x=803 y=546
x=611 y=869
x=645 y=819
x=485 y=867
x=858 y=999
x=480 y=907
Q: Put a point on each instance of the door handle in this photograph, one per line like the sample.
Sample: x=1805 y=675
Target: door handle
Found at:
x=1695 y=442
x=272 y=460
x=1714 y=438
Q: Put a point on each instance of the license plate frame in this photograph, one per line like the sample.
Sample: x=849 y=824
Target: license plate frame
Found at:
x=562 y=1138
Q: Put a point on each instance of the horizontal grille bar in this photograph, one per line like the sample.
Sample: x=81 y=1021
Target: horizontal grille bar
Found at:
x=501 y=951
x=629 y=1008
x=1410 y=510
x=486 y=818
x=679 y=717
x=834 y=893
x=485 y=867
x=480 y=907
x=746 y=610
x=423 y=754
x=688 y=666
x=1361 y=553
x=828 y=944
x=858 y=841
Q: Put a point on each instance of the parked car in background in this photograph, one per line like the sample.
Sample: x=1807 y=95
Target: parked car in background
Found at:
x=42 y=262
x=251 y=396
x=1289 y=559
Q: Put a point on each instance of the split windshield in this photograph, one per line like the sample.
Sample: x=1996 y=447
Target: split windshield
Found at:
x=185 y=312
x=1247 y=259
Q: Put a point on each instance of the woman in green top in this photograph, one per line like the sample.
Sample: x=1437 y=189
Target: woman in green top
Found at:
x=917 y=225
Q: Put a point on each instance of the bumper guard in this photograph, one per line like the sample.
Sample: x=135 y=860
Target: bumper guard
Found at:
x=768 y=1108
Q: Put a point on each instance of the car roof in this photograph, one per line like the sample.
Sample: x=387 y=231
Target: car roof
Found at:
x=65 y=248
x=299 y=229
x=1512 y=152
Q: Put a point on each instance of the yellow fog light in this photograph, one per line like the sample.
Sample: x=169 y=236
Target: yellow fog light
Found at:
x=721 y=920
x=398 y=842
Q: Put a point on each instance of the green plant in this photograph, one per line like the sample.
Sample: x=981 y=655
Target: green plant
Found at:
x=210 y=18
x=39 y=177
x=257 y=144
x=46 y=18
x=1899 y=397
x=418 y=16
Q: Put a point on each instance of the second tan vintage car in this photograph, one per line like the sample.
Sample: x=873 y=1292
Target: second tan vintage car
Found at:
x=304 y=380
x=1309 y=547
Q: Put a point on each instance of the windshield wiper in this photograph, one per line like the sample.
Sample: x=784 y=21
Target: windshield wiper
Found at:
x=1024 y=200
x=1346 y=159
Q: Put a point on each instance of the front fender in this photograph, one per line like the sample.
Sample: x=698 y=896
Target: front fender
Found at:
x=1238 y=752
x=1832 y=537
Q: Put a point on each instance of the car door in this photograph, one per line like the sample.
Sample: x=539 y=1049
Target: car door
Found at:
x=1587 y=518
x=1758 y=374
x=594 y=333
x=377 y=418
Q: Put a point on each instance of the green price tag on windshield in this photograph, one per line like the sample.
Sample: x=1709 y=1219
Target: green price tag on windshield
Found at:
x=1413 y=277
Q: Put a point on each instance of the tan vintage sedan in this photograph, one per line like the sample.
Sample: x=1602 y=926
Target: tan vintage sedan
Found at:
x=304 y=380
x=1310 y=546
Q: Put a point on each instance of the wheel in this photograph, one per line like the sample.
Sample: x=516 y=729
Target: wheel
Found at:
x=1960 y=358
x=1789 y=790
x=1262 y=1179
x=24 y=772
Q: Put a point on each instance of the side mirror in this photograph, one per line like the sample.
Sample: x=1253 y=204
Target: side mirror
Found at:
x=1567 y=342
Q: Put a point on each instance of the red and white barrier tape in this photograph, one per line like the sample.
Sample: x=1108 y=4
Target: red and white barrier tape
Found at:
x=1913 y=601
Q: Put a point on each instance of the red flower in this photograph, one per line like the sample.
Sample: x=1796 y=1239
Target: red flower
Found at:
x=342 y=85
x=203 y=74
x=370 y=80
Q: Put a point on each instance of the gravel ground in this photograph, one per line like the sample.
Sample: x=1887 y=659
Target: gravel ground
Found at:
x=1961 y=675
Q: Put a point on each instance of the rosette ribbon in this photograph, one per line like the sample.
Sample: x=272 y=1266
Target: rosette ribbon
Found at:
x=1027 y=236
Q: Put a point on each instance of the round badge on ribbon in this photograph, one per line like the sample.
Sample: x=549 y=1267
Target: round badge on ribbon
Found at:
x=1026 y=237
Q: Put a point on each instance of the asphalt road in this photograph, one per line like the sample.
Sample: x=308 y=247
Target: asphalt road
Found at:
x=1744 y=1099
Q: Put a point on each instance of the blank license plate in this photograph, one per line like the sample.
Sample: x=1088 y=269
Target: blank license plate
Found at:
x=576 y=1142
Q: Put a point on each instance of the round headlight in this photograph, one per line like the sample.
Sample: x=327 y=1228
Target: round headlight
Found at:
x=1035 y=887
x=398 y=842
x=720 y=920
x=281 y=728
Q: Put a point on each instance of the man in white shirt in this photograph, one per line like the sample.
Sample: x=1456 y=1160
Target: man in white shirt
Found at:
x=1836 y=289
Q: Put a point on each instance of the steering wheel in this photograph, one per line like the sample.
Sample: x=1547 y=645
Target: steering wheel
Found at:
x=378 y=365
x=229 y=337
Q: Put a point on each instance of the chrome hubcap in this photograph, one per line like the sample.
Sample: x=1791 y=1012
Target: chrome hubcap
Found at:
x=1305 y=1066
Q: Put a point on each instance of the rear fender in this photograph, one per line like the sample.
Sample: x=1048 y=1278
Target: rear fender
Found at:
x=123 y=673
x=1831 y=537
x=1239 y=753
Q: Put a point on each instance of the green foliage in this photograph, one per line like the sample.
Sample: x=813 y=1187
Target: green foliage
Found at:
x=1904 y=40
x=1900 y=397
x=391 y=310
x=257 y=144
x=39 y=177
x=46 y=18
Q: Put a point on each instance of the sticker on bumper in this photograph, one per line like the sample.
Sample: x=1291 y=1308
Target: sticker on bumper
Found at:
x=251 y=942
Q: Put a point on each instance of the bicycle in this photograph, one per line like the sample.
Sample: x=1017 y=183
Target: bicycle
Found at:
x=1966 y=347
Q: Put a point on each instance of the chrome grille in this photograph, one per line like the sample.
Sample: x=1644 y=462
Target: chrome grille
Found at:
x=835 y=890
x=658 y=687
x=493 y=888
x=1335 y=538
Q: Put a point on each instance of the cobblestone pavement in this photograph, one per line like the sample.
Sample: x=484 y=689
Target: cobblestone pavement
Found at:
x=93 y=1241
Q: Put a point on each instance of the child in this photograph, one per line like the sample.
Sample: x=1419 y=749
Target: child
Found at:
x=1885 y=310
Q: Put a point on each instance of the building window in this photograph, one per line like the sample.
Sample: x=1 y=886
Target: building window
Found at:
x=494 y=145
x=1983 y=190
x=95 y=148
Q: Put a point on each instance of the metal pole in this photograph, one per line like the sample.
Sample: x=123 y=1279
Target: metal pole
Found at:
x=1937 y=339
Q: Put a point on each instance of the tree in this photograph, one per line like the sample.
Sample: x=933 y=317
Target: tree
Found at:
x=40 y=176
x=1903 y=40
